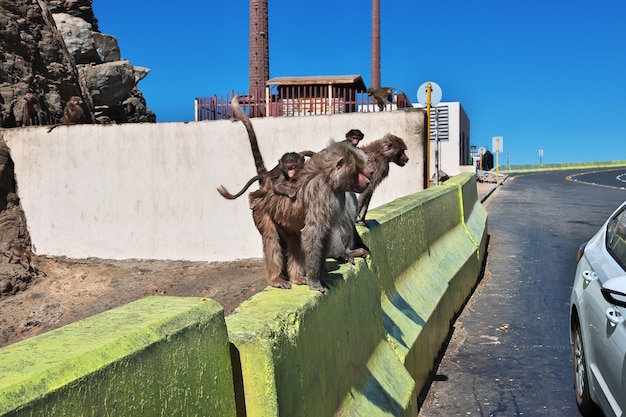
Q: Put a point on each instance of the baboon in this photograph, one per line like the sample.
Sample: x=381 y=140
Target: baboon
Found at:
x=24 y=256
x=299 y=229
x=283 y=177
x=354 y=136
x=345 y=242
x=382 y=95
x=306 y=222
x=32 y=113
x=73 y=112
x=380 y=154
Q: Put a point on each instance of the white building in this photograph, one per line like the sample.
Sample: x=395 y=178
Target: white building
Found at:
x=449 y=139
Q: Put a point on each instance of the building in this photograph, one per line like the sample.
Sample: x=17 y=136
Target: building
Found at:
x=449 y=139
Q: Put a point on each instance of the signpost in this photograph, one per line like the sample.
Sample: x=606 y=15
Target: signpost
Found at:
x=429 y=94
x=497 y=145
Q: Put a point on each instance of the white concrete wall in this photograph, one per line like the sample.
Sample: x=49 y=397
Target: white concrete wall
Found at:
x=148 y=191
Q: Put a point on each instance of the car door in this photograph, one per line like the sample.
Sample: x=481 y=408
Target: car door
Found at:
x=608 y=320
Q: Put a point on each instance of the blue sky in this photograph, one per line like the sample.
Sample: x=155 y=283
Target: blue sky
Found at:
x=547 y=75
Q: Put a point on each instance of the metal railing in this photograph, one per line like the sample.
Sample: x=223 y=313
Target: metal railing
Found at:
x=296 y=100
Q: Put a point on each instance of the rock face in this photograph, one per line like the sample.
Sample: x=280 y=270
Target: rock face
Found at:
x=54 y=50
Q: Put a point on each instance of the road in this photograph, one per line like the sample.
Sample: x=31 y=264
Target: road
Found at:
x=509 y=353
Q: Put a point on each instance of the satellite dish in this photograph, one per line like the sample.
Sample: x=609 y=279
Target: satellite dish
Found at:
x=435 y=94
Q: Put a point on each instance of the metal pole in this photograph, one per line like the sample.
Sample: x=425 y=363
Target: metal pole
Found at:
x=497 y=153
x=436 y=146
x=429 y=90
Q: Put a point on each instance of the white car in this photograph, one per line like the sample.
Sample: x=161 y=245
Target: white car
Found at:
x=598 y=330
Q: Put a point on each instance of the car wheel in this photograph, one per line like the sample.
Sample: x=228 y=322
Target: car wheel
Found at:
x=585 y=405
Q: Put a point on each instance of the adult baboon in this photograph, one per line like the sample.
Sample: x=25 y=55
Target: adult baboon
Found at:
x=299 y=229
x=32 y=113
x=380 y=154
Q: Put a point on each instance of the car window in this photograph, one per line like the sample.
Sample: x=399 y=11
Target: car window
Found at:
x=616 y=238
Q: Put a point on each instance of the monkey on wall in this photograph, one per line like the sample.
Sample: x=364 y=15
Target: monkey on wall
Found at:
x=296 y=233
x=73 y=113
x=283 y=177
x=380 y=154
x=381 y=95
x=32 y=113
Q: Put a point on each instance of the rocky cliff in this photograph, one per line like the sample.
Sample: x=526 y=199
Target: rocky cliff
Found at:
x=54 y=50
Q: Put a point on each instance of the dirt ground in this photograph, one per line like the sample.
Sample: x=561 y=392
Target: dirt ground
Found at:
x=75 y=289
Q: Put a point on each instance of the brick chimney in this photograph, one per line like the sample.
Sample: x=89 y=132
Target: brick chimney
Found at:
x=259 y=47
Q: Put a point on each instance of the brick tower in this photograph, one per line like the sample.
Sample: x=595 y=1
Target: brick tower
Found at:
x=259 y=47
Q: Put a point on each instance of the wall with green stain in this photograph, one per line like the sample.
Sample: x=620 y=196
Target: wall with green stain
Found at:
x=156 y=356
x=362 y=349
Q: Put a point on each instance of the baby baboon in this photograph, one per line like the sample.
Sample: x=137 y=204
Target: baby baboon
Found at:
x=354 y=136
x=380 y=154
x=290 y=165
x=24 y=256
x=382 y=95
x=296 y=233
x=32 y=113
x=282 y=177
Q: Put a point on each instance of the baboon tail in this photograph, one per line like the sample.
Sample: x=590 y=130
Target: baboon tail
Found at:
x=224 y=192
x=256 y=152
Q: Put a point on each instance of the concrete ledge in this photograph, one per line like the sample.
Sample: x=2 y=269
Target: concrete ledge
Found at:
x=155 y=356
x=428 y=260
x=308 y=354
x=363 y=348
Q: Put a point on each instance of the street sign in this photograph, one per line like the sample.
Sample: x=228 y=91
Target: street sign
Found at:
x=497 y=144
x=435 y=94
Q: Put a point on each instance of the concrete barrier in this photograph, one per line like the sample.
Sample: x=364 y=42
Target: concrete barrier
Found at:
x=362 y=349
x=428 y=261
x=303 y=353
x=157 y=356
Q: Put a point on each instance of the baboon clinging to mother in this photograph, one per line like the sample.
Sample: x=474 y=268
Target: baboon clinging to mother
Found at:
x=296 y=232
x=283 y=177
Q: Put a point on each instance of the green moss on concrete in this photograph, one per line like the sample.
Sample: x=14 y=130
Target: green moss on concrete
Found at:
x=388 y=389
x=427 y=249
x=302 y=352
x=156 y=356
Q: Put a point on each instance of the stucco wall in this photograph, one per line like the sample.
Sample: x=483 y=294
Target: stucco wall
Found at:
x=148 y=191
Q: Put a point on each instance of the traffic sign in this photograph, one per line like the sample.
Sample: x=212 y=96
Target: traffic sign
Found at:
x=435 y=94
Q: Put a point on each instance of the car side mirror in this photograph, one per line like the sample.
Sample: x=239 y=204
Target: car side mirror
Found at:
x=614 y=291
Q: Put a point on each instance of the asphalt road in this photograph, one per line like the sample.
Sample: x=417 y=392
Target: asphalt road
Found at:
x=509 y=352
